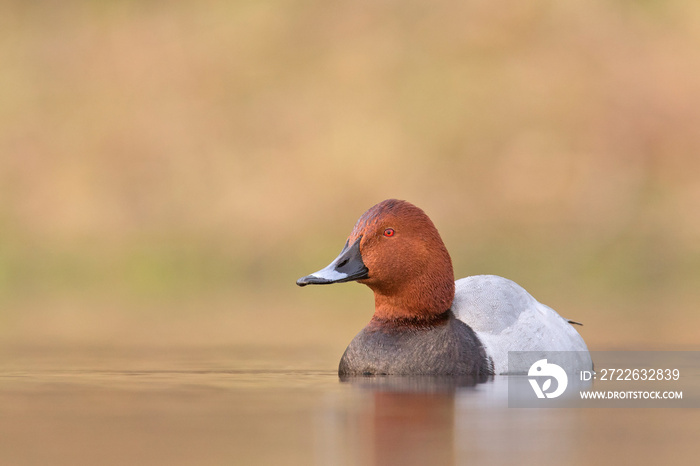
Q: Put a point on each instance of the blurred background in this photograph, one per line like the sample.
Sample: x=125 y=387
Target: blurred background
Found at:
x=169 y=169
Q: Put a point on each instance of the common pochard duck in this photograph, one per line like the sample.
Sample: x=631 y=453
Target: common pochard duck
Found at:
x=424 y=322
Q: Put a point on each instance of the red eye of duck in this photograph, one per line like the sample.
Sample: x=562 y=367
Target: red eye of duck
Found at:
x=389 y=232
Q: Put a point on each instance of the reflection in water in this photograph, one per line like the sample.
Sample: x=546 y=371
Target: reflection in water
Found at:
x=413 y=428
x=406 y=420
x=440 y=421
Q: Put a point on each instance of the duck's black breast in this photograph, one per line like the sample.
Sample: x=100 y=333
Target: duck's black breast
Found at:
x=445 y=346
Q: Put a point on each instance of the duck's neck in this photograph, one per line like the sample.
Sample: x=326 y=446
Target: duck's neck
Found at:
x=425 y=299
x=410 y=323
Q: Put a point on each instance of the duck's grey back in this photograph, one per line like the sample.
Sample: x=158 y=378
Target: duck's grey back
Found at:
x=506 y=318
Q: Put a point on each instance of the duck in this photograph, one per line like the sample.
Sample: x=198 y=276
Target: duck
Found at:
x=425 y=322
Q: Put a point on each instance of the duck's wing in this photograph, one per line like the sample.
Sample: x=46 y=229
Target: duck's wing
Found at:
x=506 y=318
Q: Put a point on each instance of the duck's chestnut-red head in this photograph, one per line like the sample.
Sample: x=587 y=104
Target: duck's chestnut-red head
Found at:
x=395 y=250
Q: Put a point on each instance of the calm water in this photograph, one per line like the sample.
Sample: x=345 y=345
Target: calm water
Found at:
x=248 y=406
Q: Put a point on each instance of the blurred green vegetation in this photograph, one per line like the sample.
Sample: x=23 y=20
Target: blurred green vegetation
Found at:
x=173 y=167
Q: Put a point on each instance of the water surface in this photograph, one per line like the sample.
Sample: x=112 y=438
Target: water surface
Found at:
x=255 y=405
